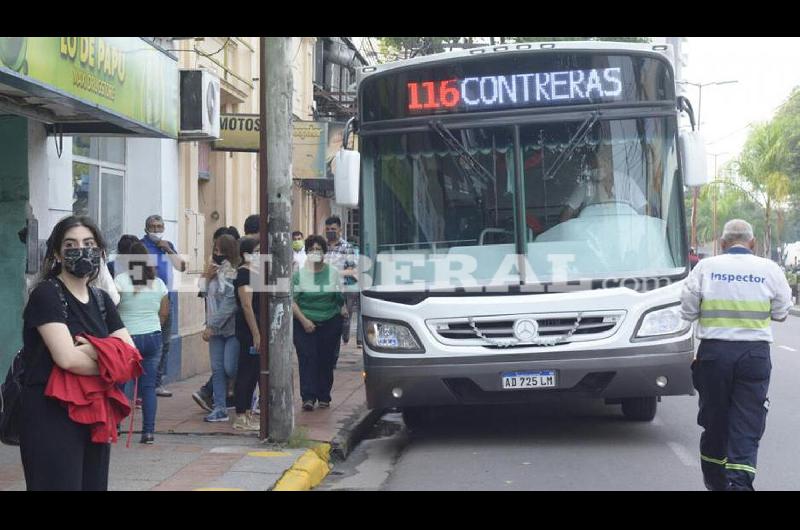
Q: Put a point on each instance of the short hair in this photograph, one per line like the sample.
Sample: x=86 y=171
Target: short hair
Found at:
x=251 y=225
x=154 y=217
x=247 y=245
x=297 y=233
x=737 y=231
x=333 y=220
x=125 y=242
x=310 y=240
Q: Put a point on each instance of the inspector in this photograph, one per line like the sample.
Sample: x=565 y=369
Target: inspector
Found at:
x=733 y=296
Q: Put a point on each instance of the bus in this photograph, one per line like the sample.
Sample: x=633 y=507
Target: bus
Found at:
x=523 y=233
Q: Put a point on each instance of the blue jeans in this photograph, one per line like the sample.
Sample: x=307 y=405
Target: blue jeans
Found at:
x=224 y=352
x=149 y=345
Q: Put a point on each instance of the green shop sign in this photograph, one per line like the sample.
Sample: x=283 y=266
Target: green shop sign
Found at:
x=125 y=76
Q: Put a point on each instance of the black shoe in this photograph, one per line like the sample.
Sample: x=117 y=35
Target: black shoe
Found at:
x=147 y=438
x=324 y=404
x=163 y=392
x=308 y=405
x=204 y=400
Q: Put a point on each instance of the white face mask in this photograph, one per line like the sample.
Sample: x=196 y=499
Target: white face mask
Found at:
x=315 y=256
x=155 y=236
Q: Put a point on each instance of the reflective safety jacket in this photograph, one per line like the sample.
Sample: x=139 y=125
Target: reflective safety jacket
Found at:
x=735 y=295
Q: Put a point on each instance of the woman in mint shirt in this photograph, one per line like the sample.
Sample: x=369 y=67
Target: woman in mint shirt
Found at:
x=318 y=309
x=143 y=307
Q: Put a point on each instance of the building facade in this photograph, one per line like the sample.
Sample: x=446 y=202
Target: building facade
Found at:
x=88 y=128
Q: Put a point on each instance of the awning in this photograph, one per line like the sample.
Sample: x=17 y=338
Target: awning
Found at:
x=91 y=85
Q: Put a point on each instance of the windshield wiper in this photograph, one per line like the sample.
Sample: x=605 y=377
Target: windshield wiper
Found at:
x=577 y=138
x=466 y=160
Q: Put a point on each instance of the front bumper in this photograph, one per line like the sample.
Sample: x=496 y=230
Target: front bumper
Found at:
x=610 y=374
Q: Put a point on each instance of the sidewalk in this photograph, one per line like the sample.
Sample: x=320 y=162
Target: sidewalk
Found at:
x=190 y=454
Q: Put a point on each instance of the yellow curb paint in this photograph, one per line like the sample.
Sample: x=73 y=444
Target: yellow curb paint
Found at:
x=323 y=451
x=218 y=489
x=307 y=472
x=268 y=454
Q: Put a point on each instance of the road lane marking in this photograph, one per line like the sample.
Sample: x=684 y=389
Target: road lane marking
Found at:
x=686 y=457
x=787 y=348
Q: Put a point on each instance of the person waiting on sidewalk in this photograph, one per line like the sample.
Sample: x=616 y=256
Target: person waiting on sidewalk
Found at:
x=143 y=307
x=167 y=259
x=318 y=309
x=220 y=332
x=204 y=396
x=248 y=286
x=298 y=251
x=57 y=452
x=342 y=256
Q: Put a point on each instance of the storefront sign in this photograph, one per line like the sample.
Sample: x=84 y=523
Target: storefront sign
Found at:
x=125 y=76
x=314 y=144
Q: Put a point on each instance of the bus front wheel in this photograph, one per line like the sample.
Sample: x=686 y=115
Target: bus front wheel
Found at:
x=640 y=408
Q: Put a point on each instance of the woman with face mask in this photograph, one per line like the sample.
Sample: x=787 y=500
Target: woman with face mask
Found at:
x=248 y=305
x=220 y=331
x=318 y=308
x=57 y=452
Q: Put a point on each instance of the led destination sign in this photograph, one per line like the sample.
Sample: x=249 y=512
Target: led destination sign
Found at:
x=515 y=90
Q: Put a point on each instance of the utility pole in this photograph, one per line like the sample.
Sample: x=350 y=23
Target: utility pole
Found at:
x=275 y=172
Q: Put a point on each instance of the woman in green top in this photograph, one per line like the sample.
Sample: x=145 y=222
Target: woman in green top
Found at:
x=143 y=307
x=318 y=309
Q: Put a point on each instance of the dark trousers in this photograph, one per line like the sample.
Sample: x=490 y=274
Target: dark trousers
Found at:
x=57 y=453
x=316 y=355
x=166 y=335
x=246 y=374
x=732 y=379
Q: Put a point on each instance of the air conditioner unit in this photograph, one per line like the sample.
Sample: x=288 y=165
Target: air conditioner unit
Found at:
x=200 y=105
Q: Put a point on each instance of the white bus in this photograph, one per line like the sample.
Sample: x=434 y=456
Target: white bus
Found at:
x=522 y=226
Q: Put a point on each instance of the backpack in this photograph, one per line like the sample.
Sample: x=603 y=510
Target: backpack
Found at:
x=11 y=389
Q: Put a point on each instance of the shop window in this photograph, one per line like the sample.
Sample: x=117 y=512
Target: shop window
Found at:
x=98 y=183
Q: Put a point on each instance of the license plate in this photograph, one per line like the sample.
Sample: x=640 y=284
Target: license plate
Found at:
x=528 y=380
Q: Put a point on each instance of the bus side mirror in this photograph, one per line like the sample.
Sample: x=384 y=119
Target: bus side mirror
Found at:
x=346 y=177
x=693 y=158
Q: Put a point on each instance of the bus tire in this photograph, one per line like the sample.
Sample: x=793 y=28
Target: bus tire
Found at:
x=640 y=408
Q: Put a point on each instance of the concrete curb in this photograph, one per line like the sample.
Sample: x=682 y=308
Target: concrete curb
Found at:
x=308 y=471
x=353 y=433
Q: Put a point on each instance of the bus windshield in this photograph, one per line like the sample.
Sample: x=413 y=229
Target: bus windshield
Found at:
x=611 y=208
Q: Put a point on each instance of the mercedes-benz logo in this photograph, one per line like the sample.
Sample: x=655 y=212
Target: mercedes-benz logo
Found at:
x=526 y=329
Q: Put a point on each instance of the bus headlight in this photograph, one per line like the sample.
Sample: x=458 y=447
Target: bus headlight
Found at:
x=391 y=337
x=661 y=322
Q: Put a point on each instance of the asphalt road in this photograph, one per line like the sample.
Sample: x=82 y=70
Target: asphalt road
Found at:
x=575 y=445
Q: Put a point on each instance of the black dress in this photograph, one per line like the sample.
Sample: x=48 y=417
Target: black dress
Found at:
x=249 y=365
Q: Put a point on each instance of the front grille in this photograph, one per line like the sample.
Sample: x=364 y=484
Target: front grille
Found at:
x=593 y=325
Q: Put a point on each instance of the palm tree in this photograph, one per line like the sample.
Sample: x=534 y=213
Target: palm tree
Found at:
x=763 y=163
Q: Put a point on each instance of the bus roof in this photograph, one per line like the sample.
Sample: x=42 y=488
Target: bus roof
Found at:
x=664 y=50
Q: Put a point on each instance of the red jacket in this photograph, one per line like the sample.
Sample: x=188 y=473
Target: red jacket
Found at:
x=96 y=400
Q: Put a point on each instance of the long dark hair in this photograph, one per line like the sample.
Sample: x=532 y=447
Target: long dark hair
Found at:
x=52 y=267
x=229 y=247
x=149 y=270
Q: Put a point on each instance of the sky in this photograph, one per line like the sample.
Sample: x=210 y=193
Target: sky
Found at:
x=766 y=68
